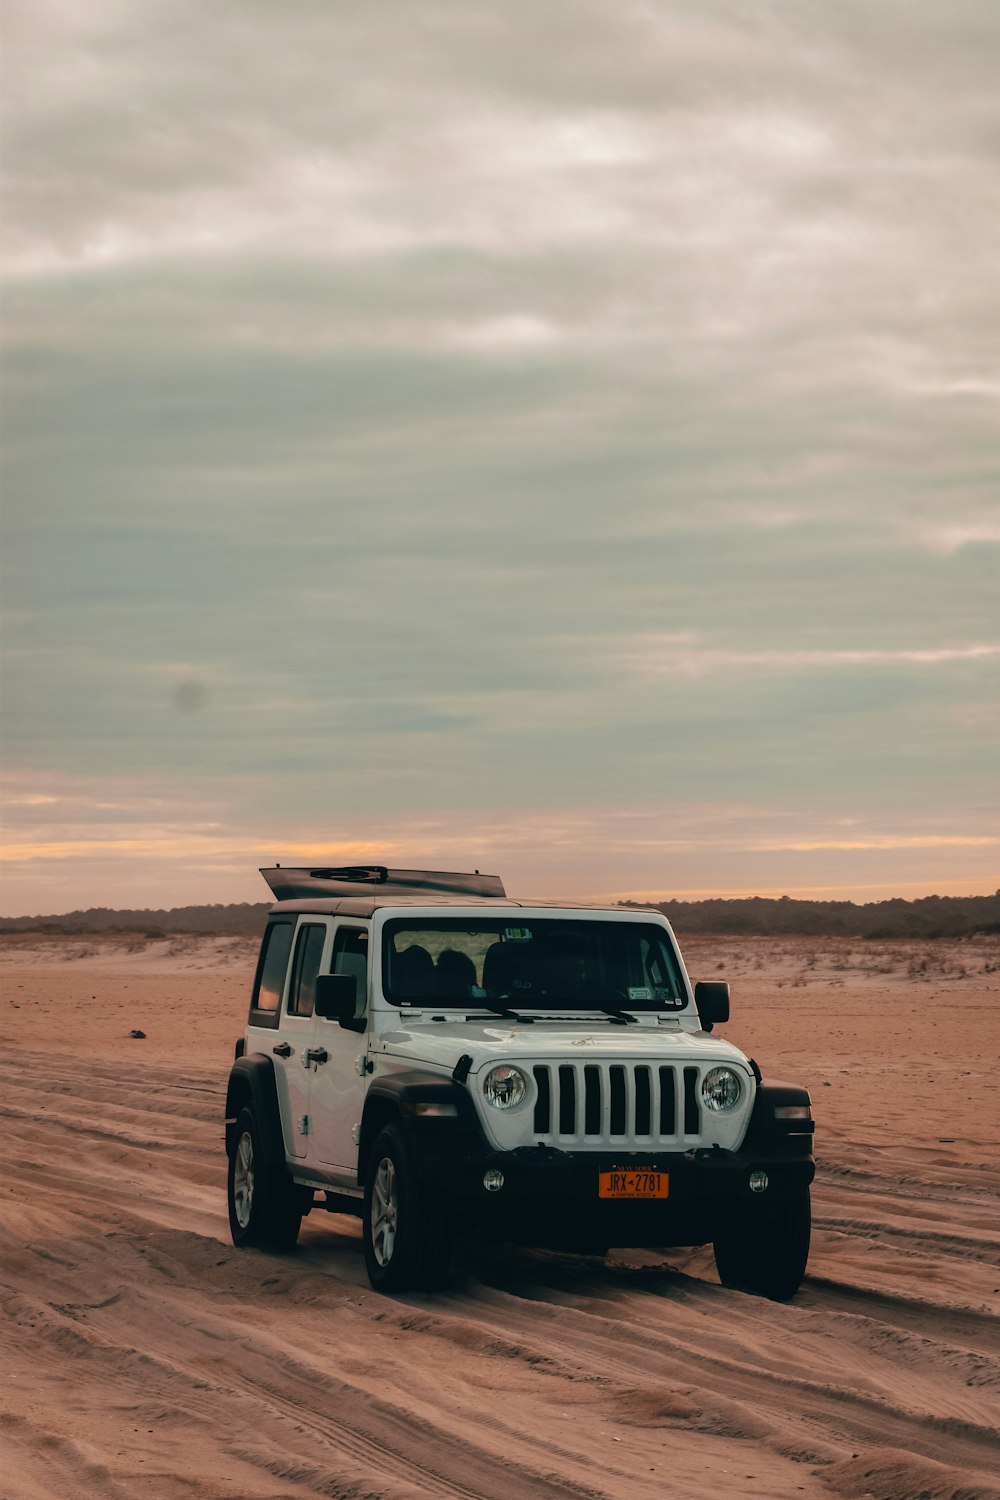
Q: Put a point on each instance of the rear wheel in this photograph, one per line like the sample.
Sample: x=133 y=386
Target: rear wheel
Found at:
x=766 y=1250
x=406 y=1236
x=265 y=1209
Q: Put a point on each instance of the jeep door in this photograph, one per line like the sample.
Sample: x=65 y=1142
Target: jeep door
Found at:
x=337 y=1081
x=309 y=954
x=273 y=1033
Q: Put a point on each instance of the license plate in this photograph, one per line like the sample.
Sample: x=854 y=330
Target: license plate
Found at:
x=633 y=1185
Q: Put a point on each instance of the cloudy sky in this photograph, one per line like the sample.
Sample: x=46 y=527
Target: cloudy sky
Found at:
x=559 y=439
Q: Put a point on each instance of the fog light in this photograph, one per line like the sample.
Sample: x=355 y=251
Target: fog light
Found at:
x=758 y=1182
x=493 y=1179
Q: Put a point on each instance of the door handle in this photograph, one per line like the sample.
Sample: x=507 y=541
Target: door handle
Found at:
x=316 y=1055
x=282 y=1050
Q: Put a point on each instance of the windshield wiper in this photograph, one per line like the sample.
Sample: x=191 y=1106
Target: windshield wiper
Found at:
x=595 y=1002
x=468 y=1009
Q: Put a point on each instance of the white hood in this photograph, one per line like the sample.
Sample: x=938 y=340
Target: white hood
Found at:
x=441 y=1043
x=549 y=1046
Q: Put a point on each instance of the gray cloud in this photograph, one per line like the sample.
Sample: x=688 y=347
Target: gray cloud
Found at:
x=377 y=379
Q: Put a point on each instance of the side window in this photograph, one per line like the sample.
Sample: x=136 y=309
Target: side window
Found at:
x=350 y=956
x=308 y=952
x=271 y=971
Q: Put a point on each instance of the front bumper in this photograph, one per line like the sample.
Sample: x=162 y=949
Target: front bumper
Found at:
x=551 y=1196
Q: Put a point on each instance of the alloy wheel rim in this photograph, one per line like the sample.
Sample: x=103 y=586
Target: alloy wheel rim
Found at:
x=243 y=1180
x=385 y=1211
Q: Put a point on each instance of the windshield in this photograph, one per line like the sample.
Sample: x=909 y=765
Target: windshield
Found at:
x=540 y=963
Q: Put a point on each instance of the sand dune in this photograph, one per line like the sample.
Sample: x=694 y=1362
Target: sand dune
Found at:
x=145 y=1357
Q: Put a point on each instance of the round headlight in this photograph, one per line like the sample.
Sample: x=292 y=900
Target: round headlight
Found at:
x=504 y=1086
x=720 y=1089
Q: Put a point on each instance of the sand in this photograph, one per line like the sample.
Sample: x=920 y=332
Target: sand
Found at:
x=143 y=1356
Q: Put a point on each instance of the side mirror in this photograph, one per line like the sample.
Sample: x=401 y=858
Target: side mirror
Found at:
x=711 y=996
x=336 y=997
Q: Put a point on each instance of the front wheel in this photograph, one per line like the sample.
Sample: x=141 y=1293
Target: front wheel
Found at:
x=264 y=1208
x=406 y=1236
x=766 y=1250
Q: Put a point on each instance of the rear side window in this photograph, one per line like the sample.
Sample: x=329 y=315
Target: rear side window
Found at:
x=271 y=970
x=308 y=952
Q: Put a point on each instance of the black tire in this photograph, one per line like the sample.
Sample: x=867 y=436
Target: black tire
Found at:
x=406 y=1235
x=265 y=1208
x=765 y=1250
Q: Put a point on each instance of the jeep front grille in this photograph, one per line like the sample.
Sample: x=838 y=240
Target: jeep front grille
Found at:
x=616 y=1102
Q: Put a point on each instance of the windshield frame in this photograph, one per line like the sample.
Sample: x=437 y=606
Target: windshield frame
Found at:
x=556 y=928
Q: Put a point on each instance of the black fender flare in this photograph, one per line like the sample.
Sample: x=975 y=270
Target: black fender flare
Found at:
x=252 y=1082
x=396 y=1097
x=765 y=1126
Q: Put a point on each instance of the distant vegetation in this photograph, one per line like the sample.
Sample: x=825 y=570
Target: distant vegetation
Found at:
x=931 y=917
x=231 y=921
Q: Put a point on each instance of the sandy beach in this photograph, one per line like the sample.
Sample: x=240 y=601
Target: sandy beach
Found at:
x=146 y=1359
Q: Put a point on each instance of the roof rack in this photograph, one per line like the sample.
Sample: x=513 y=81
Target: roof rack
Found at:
x=369 y=880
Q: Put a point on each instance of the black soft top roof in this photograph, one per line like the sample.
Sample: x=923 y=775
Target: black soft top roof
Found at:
x=366 y=906
x=376 y=882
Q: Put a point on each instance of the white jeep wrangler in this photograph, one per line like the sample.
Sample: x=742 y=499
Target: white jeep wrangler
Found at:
x=437 y=1058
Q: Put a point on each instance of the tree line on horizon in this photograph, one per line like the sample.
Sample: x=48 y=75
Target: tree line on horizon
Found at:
x=926 y=917
x=765 y=916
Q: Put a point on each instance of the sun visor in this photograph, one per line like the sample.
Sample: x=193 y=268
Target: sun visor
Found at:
x=377 y=881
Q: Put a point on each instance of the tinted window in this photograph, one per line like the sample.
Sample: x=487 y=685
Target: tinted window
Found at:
x=350 y=956
x=273 y=966
x=551 y=963
x=308 y=952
